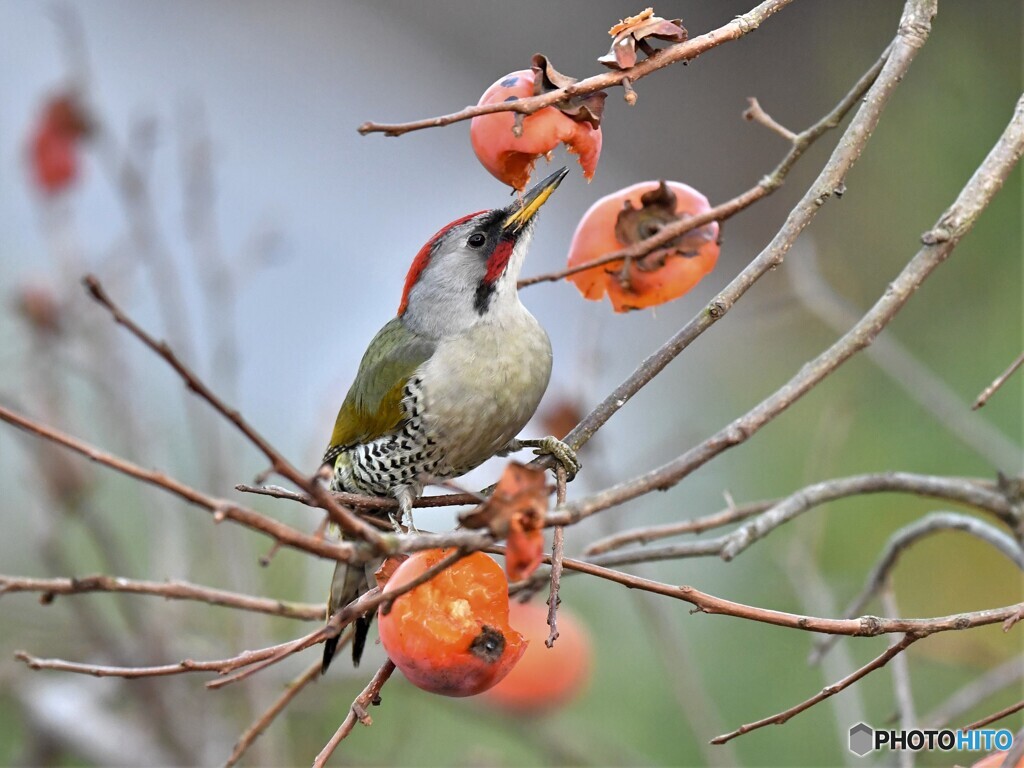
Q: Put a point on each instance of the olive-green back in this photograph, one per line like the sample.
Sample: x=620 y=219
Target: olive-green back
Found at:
x=373 y=405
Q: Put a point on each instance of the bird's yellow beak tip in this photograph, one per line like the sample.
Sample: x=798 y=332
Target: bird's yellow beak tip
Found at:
x=534 y=199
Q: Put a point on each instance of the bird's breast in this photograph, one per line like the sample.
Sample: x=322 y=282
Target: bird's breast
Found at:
x=481 y=387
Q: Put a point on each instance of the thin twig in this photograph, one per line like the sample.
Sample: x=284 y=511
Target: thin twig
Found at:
x=349 y=522
x=254 y=731
x=684 y=51
x=917 y=380
x=755 y=113
x=221 y=666
x=905 y=537
x=1000 y=677
x=868 y=626
x=557 y=552
x=768 y=184
x=358 y=501
x=999 y=381
x=939 y=243
x=733 y=514
x=1005 y=712
x=832 y=690
x=357 y=712
x=221 y=508
x=948 y=488
x=171 y=590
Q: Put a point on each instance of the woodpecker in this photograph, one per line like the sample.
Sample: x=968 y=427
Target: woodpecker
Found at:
x=449 y=382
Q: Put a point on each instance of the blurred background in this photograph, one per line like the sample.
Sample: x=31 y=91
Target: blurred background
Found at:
x=226 y=200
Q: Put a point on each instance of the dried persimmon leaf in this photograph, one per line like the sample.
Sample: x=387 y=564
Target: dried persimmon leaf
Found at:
x=519 y=501
x=635 y=30
x=630 y=21
x=585 y=108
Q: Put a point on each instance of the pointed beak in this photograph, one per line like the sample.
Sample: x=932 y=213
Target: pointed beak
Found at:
x=532 y=201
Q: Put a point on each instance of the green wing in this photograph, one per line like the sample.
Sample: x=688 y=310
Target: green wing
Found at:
x=373 y=405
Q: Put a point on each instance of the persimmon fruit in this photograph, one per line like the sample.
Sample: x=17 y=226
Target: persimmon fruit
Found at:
x=509 y=154
x=628 y=216
x=451 y=635
x=54 y=144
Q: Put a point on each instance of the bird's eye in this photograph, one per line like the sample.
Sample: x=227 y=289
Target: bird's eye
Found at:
x=477 y=239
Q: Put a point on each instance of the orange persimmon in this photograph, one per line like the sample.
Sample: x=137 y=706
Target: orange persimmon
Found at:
x=451 y=635
x=509 y=152
x=633 y=214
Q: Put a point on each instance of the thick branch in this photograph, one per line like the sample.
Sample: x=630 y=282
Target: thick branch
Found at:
x=799 y=144
x=939 y=243
x=914 y=27
x=973 y=492
x=685 y=51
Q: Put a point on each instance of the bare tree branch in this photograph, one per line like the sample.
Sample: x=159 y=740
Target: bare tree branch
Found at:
x=992 y=388
x=973 y=492
x=346 y=519
x=914 y=28
x=221 y=508
x=370 y=695
x=557 y=554
x=1000 y=677
x=684 y=51
x=868 y=626
x=905 y=537
x=362 y=502
x=1005 y=712
x=832 y=690
x=939 y=243
x=733 y=514
x=950 y=489
x=254 y=731
x=221 y=666
x=171 y=590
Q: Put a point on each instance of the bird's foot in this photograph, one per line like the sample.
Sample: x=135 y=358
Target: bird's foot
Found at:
x=552 y=446
x=403 y=515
